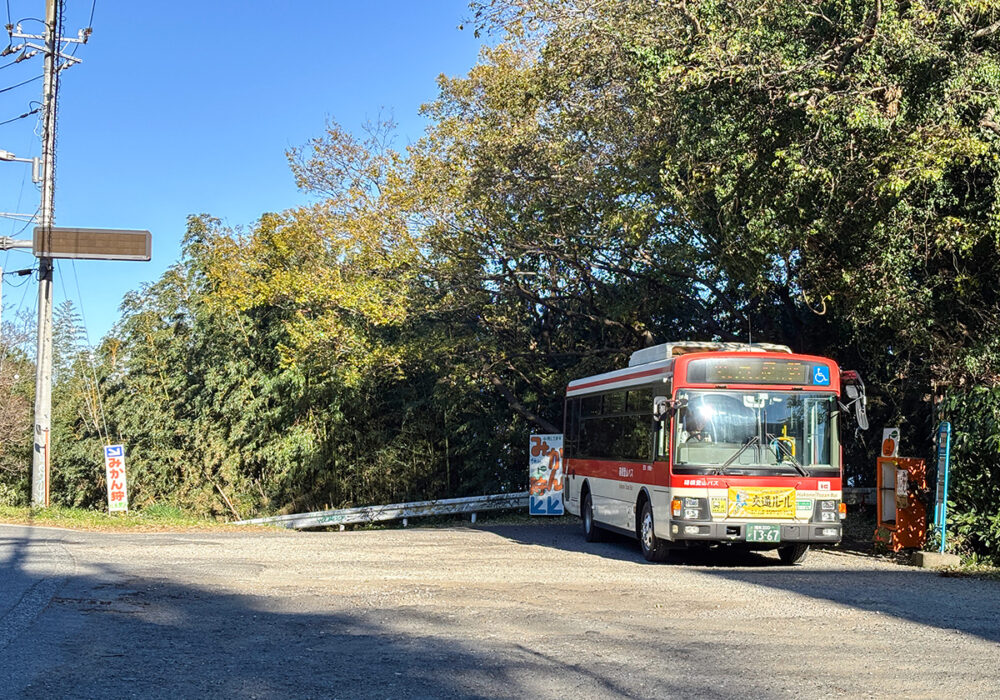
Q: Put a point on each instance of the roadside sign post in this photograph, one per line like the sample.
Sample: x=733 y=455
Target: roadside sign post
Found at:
x=941 y=496
x=74 y=243
x=58 y=242
x=545 y=475
x=114 y=467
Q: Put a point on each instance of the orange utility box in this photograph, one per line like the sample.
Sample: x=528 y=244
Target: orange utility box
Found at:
x=902 y=515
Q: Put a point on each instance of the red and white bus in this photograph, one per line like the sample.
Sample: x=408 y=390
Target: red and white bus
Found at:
x=708 y=443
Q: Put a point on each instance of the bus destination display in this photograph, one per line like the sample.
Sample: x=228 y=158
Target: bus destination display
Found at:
x=753 y=370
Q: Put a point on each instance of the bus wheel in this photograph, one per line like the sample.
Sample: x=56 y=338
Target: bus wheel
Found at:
x=591 y=532
x=793 y=553
x=653 y=548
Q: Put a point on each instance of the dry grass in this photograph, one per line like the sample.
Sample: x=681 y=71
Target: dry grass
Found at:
x=153 y=519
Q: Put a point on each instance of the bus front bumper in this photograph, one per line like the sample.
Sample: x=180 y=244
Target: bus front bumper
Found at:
x=813 y=533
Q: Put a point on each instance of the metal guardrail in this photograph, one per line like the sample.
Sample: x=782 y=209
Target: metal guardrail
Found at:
x=444 y=506
x=395 y=511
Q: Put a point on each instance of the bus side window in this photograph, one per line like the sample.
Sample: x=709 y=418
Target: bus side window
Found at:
x=614 y=403
x=590 y=406
x=572 y=427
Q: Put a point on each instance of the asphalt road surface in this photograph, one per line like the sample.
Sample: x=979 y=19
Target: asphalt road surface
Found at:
x=496 y=611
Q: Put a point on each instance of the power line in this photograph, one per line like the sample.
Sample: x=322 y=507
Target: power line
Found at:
x=90 y=357
x=26 y=225
x=25 y=276
x=29 y=80
x=20 y=193
x=98 y=408
x=24 y=295
x=22 y=116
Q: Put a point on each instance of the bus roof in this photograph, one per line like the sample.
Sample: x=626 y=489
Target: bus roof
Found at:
x=661 y=370
x=668 y=351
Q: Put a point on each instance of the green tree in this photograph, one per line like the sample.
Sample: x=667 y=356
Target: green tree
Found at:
x=833 y=162
x=17 y=384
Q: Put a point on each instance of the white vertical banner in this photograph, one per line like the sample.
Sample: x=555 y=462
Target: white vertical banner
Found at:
x=545 y=475
x=114 y=466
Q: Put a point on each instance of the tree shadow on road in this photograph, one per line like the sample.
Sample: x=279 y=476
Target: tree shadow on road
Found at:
x=106 y=631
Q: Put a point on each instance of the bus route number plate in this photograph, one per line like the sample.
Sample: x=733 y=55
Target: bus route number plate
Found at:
x=763 y=533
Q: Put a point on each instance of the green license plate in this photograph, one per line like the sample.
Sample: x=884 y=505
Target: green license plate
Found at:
x=763 y=533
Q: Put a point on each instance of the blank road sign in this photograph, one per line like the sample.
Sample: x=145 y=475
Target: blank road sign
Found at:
x=92 y=243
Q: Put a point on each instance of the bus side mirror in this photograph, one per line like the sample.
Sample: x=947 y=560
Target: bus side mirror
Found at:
x=861 y=414
x=661 y=408
x=854 y=389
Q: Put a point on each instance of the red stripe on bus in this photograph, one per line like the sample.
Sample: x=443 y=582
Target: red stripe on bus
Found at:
x=655 y=474
x=623 y=378
x=648 y=473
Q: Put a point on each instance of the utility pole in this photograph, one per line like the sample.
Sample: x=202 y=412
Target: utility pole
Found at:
x=50 y=241
x=53 y=42
x=43 y=357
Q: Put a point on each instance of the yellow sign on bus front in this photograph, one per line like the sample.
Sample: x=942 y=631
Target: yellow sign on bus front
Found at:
x=761 y=503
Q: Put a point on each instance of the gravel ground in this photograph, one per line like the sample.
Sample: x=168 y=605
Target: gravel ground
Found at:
x=495 y=611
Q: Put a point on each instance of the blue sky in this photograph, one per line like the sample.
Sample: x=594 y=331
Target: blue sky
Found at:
x=186 y=107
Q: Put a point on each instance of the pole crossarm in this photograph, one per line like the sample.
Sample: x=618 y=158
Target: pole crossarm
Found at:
x=8 y=243
x=16 y=217
x=81 y=37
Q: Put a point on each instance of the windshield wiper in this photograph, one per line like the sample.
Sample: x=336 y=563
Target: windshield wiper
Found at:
x=787 y=450
x=736 y=455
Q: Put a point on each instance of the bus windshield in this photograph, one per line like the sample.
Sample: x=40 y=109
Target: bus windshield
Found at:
x=756 y=432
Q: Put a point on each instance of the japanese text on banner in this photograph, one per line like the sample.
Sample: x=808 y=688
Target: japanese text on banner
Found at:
x=545 y=475
x=114 y=466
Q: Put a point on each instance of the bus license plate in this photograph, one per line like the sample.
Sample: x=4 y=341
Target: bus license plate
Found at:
x=763 y=533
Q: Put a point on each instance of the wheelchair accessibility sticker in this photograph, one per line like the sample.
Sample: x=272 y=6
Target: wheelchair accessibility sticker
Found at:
x=821 y=375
